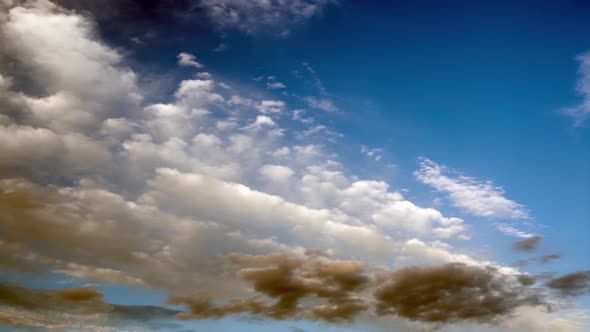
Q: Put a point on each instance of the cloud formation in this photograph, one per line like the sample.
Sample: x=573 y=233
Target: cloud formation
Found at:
x=287 y=280
x=253 y=17
x=176 y=185
x=581 y=112
x=450 y=293
x=528 y=244
x=71 y=308
x=571 y=284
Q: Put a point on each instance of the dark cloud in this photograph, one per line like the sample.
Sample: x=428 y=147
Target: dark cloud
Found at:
x=68 y=307
x=576 y=283
x=550 y=257
x=528 y=244
x=449 y=293
x=288 y=280
x=79 y=299
x=526 y=280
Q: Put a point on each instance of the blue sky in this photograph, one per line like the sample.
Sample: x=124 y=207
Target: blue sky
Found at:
x=166 y=154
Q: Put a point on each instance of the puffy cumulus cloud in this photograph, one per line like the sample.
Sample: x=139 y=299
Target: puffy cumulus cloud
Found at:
x=529 y=244
x=452 y=292
x=56 y=120
x=252 y=211
x=55 y=46
x=71 y=308
x=287 y=281
x=575 y=283
x=253 y=16
x=580 y=112
x=469 y=194
x=276 y=172
x=372 y=201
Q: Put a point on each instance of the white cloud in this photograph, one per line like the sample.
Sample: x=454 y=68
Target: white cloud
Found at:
x=189 y=60
x=271 y=106
x=276 y=173
x=275 y=85
x=204 y=75
x=373 y=153
x=475 y=197
x=323 y=104
x=510 y=230
x=261 y=122
x=581 y=112
x=282 y=152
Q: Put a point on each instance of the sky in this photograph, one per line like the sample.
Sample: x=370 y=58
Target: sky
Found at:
x=294 y=165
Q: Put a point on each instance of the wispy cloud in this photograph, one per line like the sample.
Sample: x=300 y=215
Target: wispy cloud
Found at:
x=324 y=104
x=253 y=17
x=475 y=197
x=581 y=112
x=275 y=85
x=373 y=153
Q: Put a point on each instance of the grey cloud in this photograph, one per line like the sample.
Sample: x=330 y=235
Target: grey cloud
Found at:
x=529 y=244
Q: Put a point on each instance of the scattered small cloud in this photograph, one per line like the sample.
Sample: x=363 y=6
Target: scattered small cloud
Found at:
x=529 y=244
x=550 y=257
x=275 y=85
x=189 y=60
x=324 y=104
x=271 y=106
x=373 y=153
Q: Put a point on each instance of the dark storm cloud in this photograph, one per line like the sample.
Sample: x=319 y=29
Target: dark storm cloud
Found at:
x=528 y=244
x=450 y=293
x=576 y=283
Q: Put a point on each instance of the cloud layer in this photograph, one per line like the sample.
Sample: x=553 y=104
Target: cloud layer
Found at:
x=210 y=190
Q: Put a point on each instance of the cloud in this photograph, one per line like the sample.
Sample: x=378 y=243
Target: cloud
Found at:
x=275 y=85
x=529 y=244
x=576 y=283
x=581 y=112
x=262 y=16
x=373 y=153
x=176 y=184
x=475 y=197
x=71 y=308
x=276 y=172
x=188 y=60
x=450 y=293
x=323 y=104
x=509 y=230
x=287 y=281
x=550 y=257
x=271 y=106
